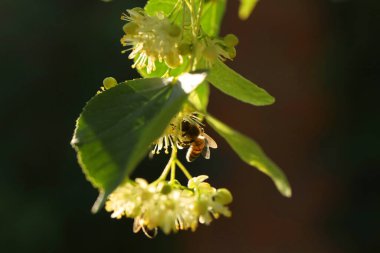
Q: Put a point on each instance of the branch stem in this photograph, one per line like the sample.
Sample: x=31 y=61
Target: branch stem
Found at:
x=168 y=166
x=183 y=169
x=172 y=174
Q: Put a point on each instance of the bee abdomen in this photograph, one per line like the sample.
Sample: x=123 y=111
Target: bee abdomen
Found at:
x=195 y=149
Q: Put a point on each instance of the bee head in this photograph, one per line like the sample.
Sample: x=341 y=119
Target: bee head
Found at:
x=185 y=126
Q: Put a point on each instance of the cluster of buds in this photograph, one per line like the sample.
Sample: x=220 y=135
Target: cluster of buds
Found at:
x=212 y=49
x=168 y=205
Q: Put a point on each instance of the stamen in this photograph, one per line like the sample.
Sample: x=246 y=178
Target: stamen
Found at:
x=137 y=224
x=179 y=223
x=166 y=144
x=154 y=149
x=160 y=143
x=145 y=230
x=171 y=141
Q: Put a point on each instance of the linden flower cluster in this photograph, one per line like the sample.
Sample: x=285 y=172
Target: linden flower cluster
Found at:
x=151 y=38
x=156 y=38
x=169 y=206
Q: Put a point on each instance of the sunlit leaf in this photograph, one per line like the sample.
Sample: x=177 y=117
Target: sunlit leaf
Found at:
x=117 y=127
x=251 y=153
x=233 y=84
x=212 y=15
x=199 y=97
x=165 y=6
x=246 y=8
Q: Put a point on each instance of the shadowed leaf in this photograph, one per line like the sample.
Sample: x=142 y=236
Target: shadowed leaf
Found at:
x=251 y=153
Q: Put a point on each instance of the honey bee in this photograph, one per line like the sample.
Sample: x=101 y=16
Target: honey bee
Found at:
x=196 y=140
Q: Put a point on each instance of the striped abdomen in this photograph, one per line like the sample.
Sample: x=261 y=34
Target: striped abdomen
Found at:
x=196 y=148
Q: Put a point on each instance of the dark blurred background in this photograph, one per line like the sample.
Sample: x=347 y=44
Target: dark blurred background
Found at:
x=319 y=58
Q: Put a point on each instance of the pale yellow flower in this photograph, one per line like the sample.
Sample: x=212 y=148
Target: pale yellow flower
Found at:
x=171 y=209
x=151 y=39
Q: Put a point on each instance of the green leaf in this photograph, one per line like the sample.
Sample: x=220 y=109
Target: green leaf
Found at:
x=251 y=153
x=165 y=6
x=117 y=127
x=233 y=84
x=162 y=69
x=246 y=8
x=212 y=15
x=199 y=97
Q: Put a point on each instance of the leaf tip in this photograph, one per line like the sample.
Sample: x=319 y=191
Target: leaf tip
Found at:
x=243 y=15
x=287 y=192
x=284 y=188
x=246 y=8
x=268 y=100
x=271 y=100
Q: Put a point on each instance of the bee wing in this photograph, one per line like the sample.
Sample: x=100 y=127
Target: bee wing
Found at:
x=206 y=151
x=210 y=141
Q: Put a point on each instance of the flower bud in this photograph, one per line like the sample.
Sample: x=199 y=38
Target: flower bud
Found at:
x=109 y=82
x=130 y=28
x=201 y=206
x=231 y=52
x=231 y=40
x=166 y=189
x=173 y=30
x=223 y=196
x=195 y=181
x=173 y=60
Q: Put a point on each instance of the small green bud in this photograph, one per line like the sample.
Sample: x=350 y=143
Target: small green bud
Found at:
x=172 y=60
x=231 y=40
x=231 y=52
x=109 y=82
x=201 y=206
x=166 y=189
x=173 y=30
x=130 y=28
x=223 y=196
